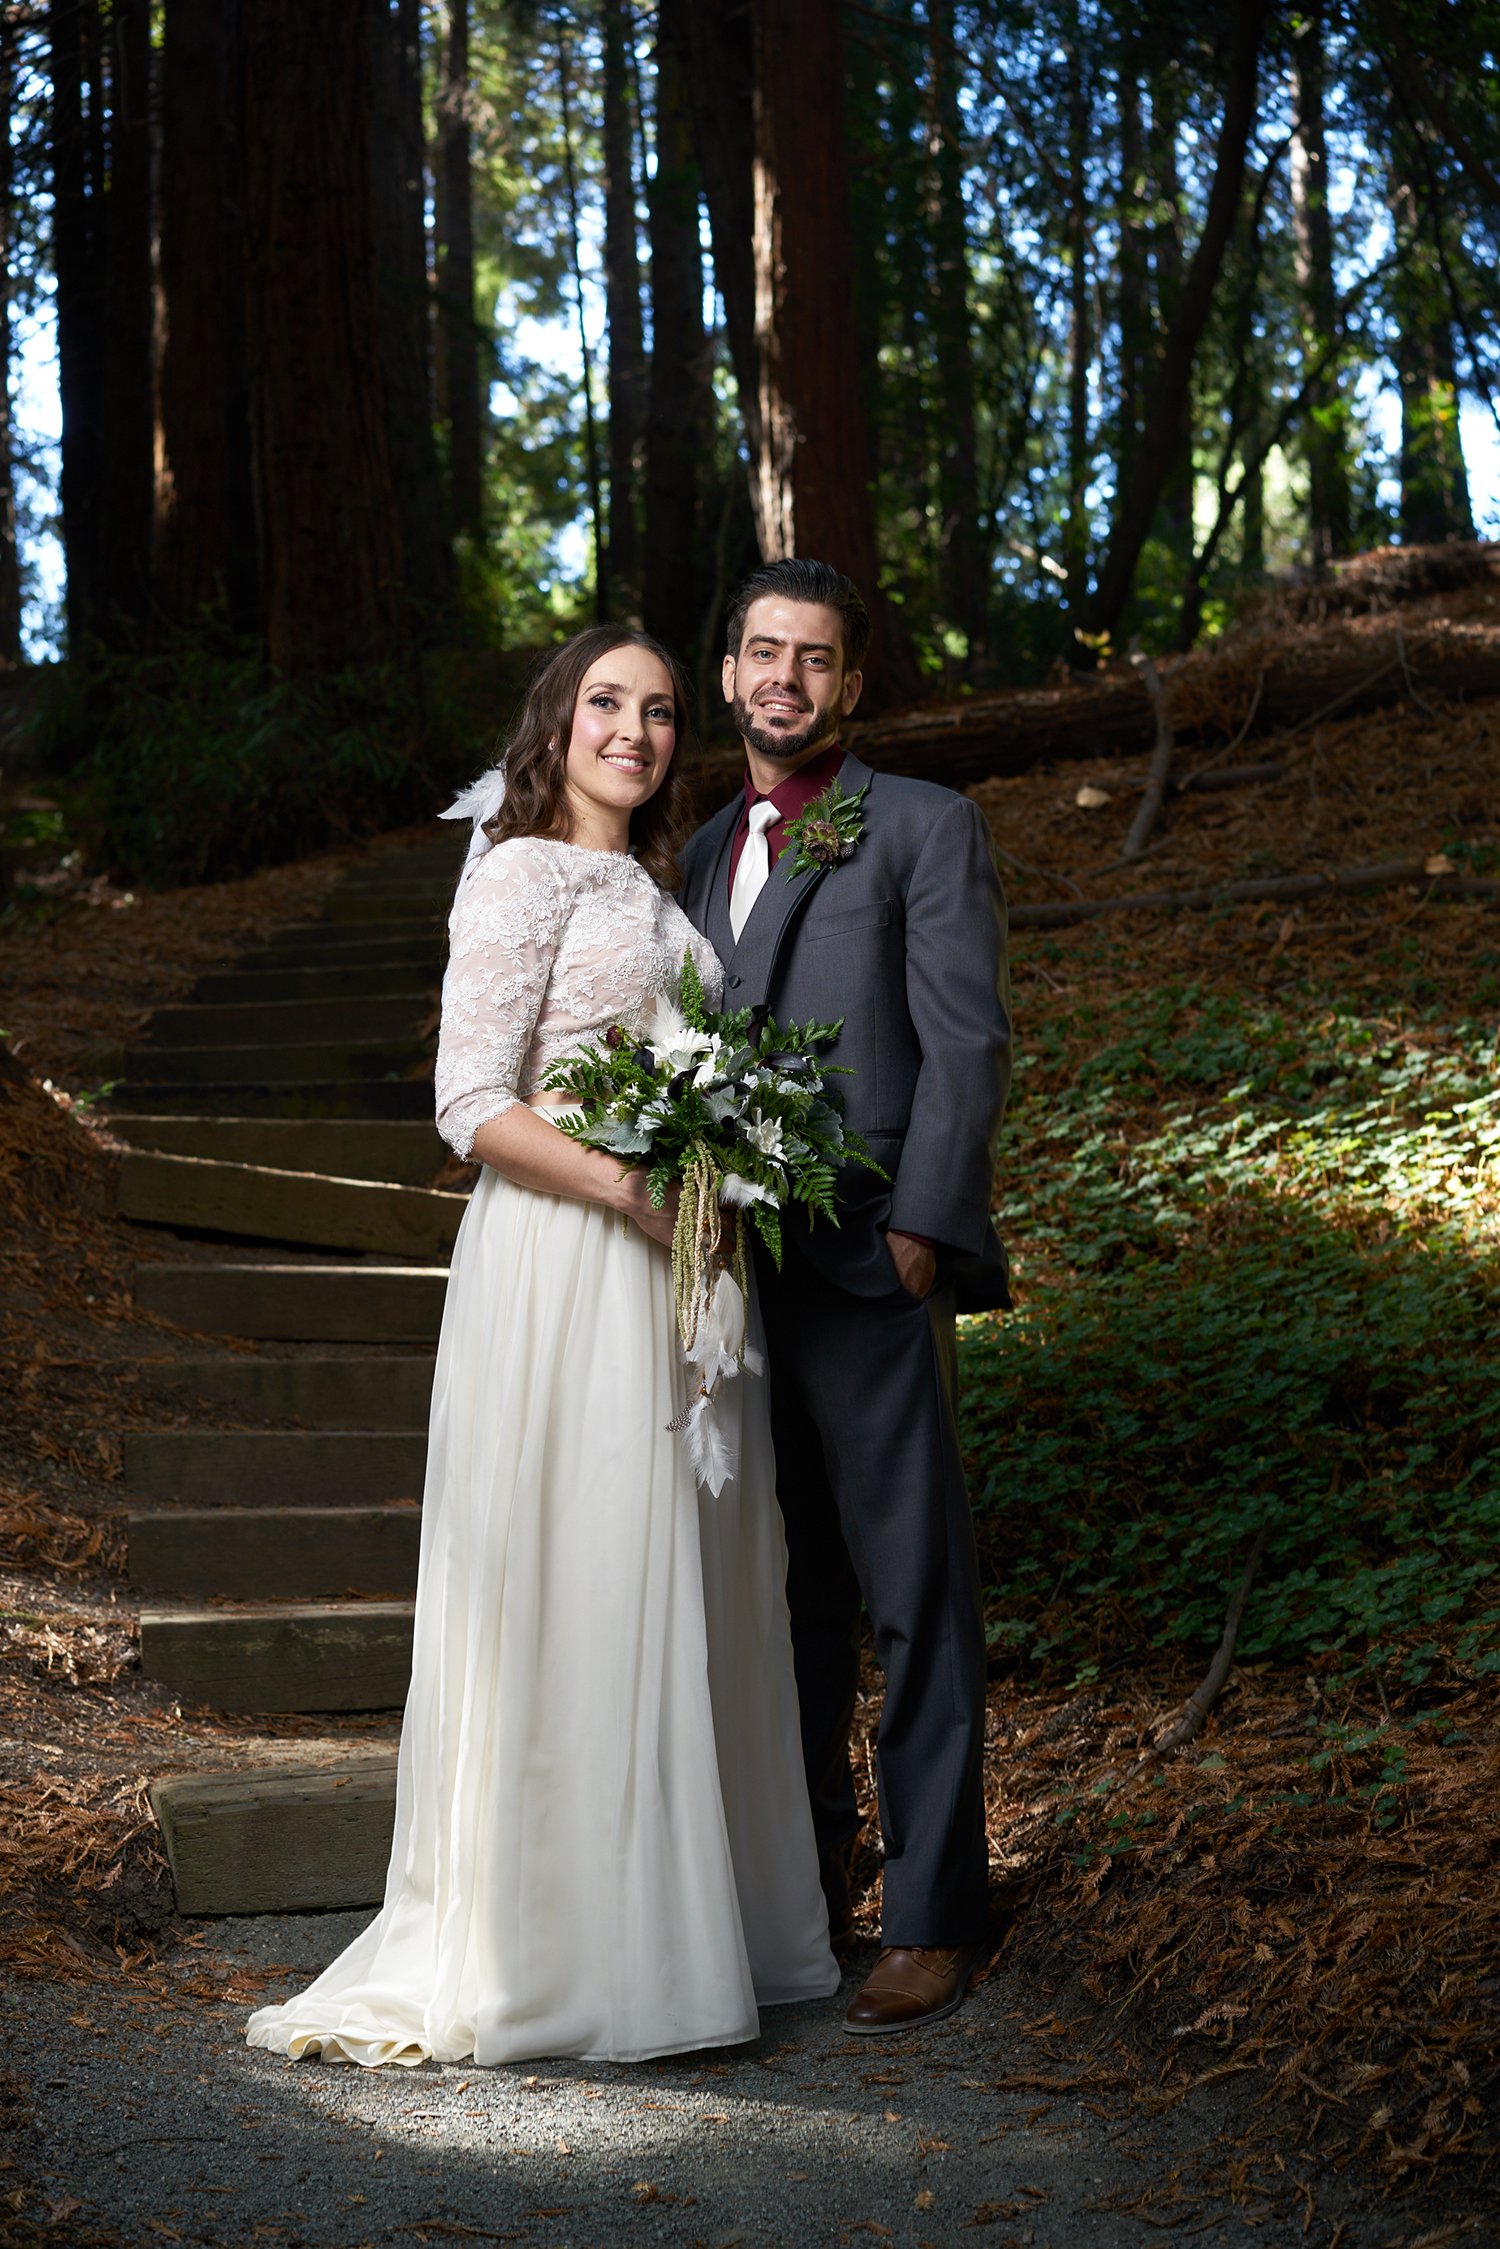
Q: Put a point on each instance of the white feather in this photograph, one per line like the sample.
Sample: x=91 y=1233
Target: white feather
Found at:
x=479 y=802
x=707 y=1447
x=739 y=1192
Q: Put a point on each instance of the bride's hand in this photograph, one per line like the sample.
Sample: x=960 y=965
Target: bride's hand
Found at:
x=635 y=1205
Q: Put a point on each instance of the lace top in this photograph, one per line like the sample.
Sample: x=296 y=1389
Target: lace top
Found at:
x=549 y=944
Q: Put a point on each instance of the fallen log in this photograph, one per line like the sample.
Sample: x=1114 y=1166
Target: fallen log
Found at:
x=1009 y=731
x=1059 y=914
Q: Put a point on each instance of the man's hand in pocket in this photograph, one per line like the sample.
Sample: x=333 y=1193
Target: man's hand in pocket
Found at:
x=915 y=1263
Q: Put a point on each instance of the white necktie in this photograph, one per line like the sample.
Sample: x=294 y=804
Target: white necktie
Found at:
x=753 y=871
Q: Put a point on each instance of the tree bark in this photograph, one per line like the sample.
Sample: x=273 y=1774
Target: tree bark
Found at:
x=672 y=605
x=1434 y=480
x=811 y=476
x=622 y=281
x=590 y=431
x=1324 y=441
x=204 y=552
x=460 y=342
x=964 y=565
x=331 y=561
x=1167 y=243
x=396 y=154
x=721 y=82
x=1161 y=434
x=1135 y=318
x=10 y=565
x=1076 y=527
x=77 y=240
x=129 y=469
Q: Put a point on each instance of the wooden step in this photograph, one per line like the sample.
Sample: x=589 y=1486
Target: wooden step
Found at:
x=423 y=908
x=398 y=1153
x=369 y=1393
x=271 y=1065
x=308 y=945
x=405 y=1099
x=268 y=1553
x=287 y=1206
x=363 y=980
x=299 y=1303
x=274 y=1467
x=301 y=1022
x=279 y=1838
x=330 y=1655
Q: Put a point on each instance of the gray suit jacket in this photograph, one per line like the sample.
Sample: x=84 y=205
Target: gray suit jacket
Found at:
x=905 y=941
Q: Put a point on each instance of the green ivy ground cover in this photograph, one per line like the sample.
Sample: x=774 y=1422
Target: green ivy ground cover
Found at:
x=1257 y=1285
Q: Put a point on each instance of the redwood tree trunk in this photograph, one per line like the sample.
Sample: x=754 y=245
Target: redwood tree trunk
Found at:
x=331 y=561
x=721 y=79
x=964 y=567
x=401 y=288
x=673 y=597
x=204 y=550
x=622 y=280
x=129 y=406
x=811 y=476
x=456 y=284
x=1135 y=325
x=77 y=240
x=1323 y=434
x=1076 y=529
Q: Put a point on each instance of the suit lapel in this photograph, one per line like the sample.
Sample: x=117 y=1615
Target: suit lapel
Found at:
x=714 y=904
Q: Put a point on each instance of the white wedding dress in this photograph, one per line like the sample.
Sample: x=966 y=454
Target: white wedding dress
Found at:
x=603 y=1845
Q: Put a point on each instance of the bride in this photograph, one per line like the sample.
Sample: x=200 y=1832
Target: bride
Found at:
x=603 y=1845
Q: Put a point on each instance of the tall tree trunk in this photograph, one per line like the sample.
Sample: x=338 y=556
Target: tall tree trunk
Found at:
x=1253 y=524
x=130 y=310
x=965 y=568
x=1167 y=244
x=721 y=51
x=1162 y=432
x=622 y=281
x=590 y=430
x=10 y=563
x=78 y=262
x=811 y=482
x=1324 y=441
x=204 y=554
x=1080 y=350
x=456 y=284
x=672 y=604
x=1135 y=317
x=330 y=529
x=401 y=289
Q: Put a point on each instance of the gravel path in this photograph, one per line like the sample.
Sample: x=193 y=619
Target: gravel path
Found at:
x=154 y=2121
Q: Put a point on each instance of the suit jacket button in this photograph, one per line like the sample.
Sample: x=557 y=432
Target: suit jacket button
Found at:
x=731 y=980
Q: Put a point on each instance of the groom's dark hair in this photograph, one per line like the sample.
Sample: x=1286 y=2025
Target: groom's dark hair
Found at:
x=799 y=579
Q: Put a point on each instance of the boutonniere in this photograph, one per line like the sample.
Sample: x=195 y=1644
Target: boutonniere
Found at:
x=828 y=831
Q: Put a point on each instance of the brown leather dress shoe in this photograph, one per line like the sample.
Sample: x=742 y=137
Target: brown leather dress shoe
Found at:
x=909 y=1986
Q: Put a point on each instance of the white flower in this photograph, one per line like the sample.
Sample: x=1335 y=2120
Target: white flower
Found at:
x=673 y=1040
x=763 y=1134
x=708 y=1068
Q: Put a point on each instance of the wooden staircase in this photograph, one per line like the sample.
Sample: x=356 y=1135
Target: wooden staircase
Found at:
x=276 y=1123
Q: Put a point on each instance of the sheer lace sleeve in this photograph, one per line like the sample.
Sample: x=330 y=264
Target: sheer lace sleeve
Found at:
x=504 y=931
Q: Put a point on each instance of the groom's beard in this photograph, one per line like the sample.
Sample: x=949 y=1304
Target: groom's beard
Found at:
x=814 y=733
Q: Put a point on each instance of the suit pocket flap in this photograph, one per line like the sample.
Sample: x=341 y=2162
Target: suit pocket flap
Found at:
x=875 y=916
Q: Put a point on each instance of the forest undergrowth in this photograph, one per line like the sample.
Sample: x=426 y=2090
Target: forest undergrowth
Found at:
x=1250 y=1178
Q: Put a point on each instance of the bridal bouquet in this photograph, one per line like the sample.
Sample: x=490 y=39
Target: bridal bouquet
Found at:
x=737 y=1111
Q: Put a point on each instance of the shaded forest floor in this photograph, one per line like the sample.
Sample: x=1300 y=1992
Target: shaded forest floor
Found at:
x=1249 y=1183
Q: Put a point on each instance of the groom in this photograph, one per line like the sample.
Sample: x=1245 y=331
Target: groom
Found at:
x=905 y=939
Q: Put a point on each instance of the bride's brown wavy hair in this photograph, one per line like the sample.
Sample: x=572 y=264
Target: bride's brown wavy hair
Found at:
x=536 y=760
